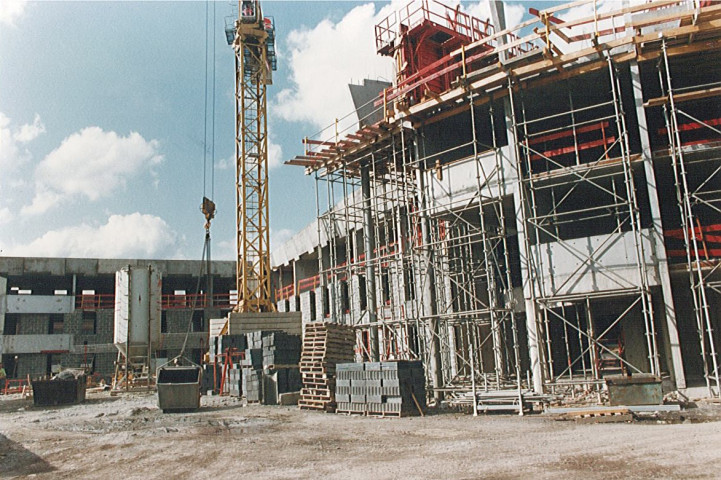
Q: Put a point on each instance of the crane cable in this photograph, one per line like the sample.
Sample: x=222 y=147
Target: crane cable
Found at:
x=205 y=256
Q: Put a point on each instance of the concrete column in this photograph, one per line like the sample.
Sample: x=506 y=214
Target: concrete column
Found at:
x=369 y=243
x=656 y=231
x=427 y=284
x=534 y=342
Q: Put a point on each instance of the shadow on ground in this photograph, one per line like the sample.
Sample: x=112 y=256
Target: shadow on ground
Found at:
x=16 y=460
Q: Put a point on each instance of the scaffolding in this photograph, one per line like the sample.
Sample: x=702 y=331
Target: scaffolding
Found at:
x=501 y=222
x=694 y=146
x=579 y=182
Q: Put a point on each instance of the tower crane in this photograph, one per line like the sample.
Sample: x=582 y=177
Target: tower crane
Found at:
x=252 y=37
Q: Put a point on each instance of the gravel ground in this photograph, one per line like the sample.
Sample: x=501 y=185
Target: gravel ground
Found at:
x=129 y=437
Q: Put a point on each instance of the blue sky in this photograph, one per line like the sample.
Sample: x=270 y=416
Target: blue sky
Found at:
x=102 y=120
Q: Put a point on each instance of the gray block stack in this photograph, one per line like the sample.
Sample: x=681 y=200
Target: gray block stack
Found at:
x=270 y=366
x=380 y=388
x=280 y=349
x=252 y=384
x=234 y=382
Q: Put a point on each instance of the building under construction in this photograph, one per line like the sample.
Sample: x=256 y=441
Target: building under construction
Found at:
x=526 y=208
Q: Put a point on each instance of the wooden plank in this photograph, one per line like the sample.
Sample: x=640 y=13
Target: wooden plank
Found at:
x=685 y=97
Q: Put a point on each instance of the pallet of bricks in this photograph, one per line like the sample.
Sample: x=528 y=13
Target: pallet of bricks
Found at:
x=324 y=346
x=387 y=389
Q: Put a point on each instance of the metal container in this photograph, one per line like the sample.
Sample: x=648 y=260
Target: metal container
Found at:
x=179 y=388
x=639 y=389
x=137 y=310
x=59 y=392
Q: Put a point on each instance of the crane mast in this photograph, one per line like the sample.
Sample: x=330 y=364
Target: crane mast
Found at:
x=254 y=46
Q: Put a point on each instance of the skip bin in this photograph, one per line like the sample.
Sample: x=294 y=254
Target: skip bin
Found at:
x=179 y=388
x=639 y=389
x=59 y=391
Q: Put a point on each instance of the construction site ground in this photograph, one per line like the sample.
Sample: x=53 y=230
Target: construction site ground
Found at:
x=127 y=436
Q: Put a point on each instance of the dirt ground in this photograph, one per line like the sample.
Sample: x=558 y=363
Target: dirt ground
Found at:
x=129 y=437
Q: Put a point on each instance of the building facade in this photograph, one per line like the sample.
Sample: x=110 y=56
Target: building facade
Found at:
x=59 y=312
x=537 y=207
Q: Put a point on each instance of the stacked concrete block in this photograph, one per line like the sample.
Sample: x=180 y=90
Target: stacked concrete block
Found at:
x=252 y=384
x=211 y=379
x=280 y=348
x=226 y=342
x=234 y=387
x=381 y=388
x=252 y=358
x=324 y=346
x=279 y=381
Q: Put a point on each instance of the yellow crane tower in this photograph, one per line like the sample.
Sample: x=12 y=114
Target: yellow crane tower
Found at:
x=252 y=37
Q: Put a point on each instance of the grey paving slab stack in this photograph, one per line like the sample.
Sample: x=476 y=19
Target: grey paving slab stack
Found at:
x=324 y=346
x=381 y=388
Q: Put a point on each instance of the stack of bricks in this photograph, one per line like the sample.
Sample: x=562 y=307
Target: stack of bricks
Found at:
x=324 y=346
x=381 y=388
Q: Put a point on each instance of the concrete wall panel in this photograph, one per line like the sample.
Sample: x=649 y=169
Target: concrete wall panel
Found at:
x=613 y=266
x=40 y=304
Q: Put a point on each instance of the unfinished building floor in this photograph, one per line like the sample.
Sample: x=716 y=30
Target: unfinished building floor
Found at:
x=110 y=437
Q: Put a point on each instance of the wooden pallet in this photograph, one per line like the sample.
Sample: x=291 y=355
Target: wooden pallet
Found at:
x=599 y=416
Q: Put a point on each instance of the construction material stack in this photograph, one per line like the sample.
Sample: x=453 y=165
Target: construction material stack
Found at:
x=324 y=346
x=267 y=367
x=381 y=388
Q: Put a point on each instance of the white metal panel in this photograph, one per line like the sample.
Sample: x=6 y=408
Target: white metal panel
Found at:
x=122 y=306
x=139 y=305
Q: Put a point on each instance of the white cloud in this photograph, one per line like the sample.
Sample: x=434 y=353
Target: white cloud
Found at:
x=91 y=163
x=224 y=250
x=5 y=215
x=11 y=10
x=123 y=236
x=13 y=151
x=324 y=59
x=14 y=155
x=482 y=10
x=275 y=154
x=275 y=157
x=30 y=132
x=279 y=237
